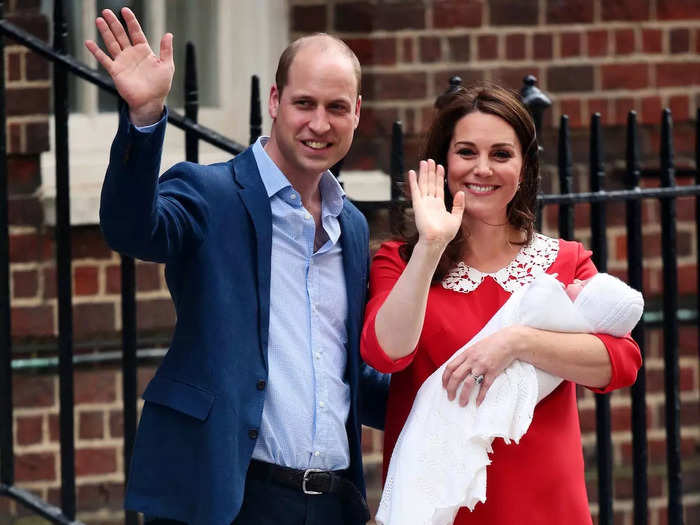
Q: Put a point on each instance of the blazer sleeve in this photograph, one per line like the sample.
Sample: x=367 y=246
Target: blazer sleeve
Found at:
x=624 y=354
x=144 y=216
x=387 y=267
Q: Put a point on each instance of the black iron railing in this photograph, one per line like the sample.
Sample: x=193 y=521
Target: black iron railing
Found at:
x=537 y=102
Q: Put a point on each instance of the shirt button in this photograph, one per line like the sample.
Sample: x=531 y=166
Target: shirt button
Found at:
x=307 y=216
x=253 y=433
x=322 y=404
x=293 y=196
x=260 y=385
x=317 y=453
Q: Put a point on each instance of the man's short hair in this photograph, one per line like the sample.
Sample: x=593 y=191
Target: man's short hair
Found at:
x=287 y=57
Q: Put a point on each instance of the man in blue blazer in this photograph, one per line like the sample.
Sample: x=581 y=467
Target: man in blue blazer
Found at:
x=254 y=415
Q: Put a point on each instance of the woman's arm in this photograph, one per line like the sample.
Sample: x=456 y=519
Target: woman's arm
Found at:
x=399 y=321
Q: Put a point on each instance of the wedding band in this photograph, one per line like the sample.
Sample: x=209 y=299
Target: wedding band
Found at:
x=478 y=379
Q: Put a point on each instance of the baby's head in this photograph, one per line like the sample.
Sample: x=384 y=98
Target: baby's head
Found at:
x=573 y=289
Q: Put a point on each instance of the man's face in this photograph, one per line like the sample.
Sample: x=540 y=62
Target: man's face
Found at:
x=316 y=113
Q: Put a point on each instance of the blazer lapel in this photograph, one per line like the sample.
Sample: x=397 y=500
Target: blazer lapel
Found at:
x=257 y=204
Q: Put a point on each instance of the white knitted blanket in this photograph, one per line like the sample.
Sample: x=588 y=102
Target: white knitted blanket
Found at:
x=439 y=461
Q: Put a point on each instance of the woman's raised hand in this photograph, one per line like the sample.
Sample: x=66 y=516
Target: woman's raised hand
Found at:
x=433 y=222
x=142 y=79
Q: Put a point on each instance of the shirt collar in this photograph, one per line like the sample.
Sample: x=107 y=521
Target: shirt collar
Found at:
x=274 y=180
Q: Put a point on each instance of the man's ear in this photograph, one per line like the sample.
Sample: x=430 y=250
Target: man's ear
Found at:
x=274 y=102
x=358 y=105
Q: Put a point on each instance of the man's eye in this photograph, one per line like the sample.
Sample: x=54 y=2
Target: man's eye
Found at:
x=303 y=103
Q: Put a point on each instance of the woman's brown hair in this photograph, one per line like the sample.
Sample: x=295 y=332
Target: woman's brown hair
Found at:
x=499 y=101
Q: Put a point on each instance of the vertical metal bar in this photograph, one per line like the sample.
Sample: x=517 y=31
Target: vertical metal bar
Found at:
x=7 y=474
x=129 y=367
x=670 y=305
x=191 y=103
x=396 y=167
x=600 y=259
x=635 y=277
x=566 y=211
x=63 y=267
x=255 y=110
x=697 y=208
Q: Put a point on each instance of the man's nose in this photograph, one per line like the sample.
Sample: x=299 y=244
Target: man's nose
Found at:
x=319 y=122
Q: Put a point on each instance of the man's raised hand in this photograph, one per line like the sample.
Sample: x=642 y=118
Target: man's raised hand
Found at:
x=142 y=79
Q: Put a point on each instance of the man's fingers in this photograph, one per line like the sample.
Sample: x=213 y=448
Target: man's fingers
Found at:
x=166 y=48
x=117 y=28
x=100 y=55
x=111 y=43
x=132 y=24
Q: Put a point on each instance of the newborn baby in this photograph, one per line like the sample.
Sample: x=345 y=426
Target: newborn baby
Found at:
x=439 y=461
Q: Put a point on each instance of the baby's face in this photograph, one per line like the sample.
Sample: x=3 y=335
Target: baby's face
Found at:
x=573 y=289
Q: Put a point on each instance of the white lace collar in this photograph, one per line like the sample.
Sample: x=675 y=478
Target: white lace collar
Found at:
x=531 y=260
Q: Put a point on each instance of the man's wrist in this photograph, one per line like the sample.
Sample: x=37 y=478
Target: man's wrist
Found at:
x=146 y=115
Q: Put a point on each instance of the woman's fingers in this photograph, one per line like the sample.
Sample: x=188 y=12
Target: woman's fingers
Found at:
x=458 y=205
x=440 y=182
x=431 y=177
x=485 y=385
x=423 y=177
x=413 y=185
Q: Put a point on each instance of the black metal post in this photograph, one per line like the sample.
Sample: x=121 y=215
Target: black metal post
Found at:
x=635 y=277
x=7 y=474
x=697 y=208
x=396 y=176
x=454 y=84
x=255 y=110
x=670 y=305
x=566 y=211
x=600 y=259
x=535 y=100
x=191 y=103
x=63 y=267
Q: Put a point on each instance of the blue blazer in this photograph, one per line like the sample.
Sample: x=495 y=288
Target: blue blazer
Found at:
x=212 y=227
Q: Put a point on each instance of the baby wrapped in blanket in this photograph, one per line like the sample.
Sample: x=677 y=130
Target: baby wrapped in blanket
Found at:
x=439 y=461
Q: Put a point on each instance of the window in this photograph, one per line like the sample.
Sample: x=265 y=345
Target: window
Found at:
x=231 y=45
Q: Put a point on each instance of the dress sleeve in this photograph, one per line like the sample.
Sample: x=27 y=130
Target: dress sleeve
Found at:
x=386 y=268
x=624 y=354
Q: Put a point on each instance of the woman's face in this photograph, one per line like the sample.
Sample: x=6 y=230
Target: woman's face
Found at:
x=484 y=160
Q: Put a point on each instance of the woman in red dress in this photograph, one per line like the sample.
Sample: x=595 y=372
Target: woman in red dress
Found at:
x=432 y=292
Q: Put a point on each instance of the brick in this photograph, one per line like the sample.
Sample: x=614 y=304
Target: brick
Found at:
x=91 y=319
x=515 y=47
x=652 y=40
x=155 y=314
x=37 y=134
x=101 y=496
x=144 y=376
x=508 y=13
x=148 y=277
x=32 y=321
x=623 y=106
x=679 y=40
x=37 y=68
x=569 y=12
x=388 y=86
x=24 y=175
x=14 y=72
x=651 y=109
x=33 y=23
x=407 y=49
x=570 y=44
x=430 y=50
x=677 y=10
x=681 y=74
x=625 y=10
x=114 y=272
x=688 y=340
x=597 y=43
x=572 y=108
x=30 y=247
x=33 y=391
x=40 y=466
x=487 y=46
x=680 y=107
x=512 y=77
x=457 y=13
x=459 y=48
x=116 y=424
x=624 y=76
x=542 y=46
x=354 y=17
x=91 y=425
x=25 y=283
x=48 y=277
x=94 y=461
x=687 y=280
x=376 y=122
x=29 y=430
x=95 y=386
x=309 y=19
x=54 y=428
x=85 y=280
x=624 y=42
x=570 y=78
x=468 y=76
x=409 y=14
x=599 y=105
x=27 y=100
x=87 y=242
x=374 y=51
x=14 y=139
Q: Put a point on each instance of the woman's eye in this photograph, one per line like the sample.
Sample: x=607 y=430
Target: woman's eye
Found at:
x=502 y=155
x=465 y=152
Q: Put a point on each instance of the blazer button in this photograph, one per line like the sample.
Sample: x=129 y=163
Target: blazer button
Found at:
x=253 y=434
x=261 y=385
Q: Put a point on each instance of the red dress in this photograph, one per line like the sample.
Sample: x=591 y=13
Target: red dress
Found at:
x=541 y=479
